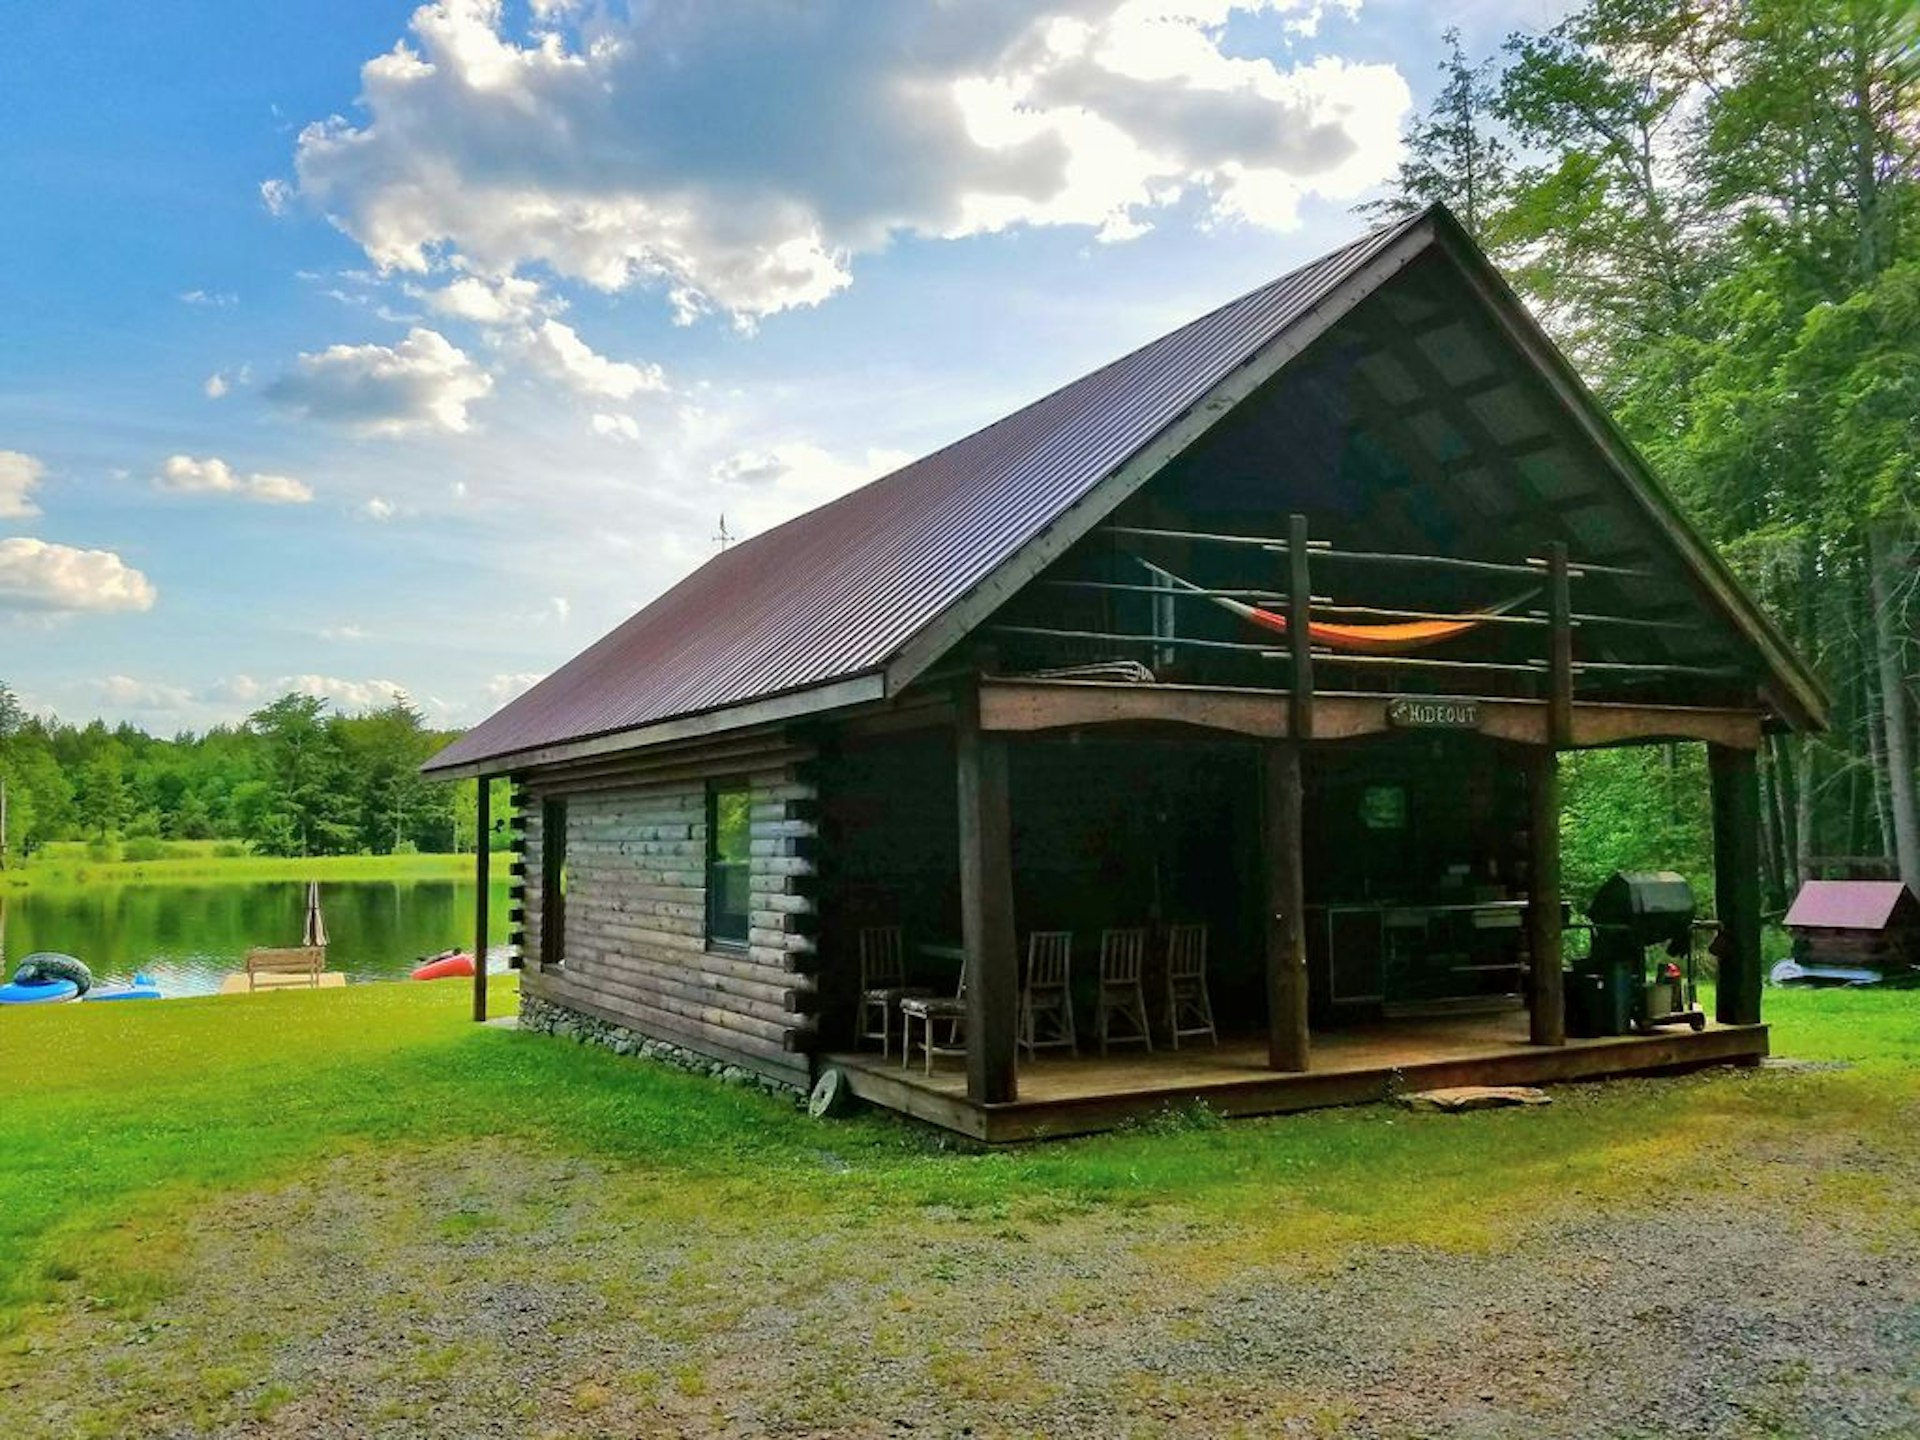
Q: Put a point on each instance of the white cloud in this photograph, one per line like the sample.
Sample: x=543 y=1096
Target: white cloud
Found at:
x=592 y=146
x=507 y=300
x=38 y=577
x=757 y=489
x=216 y=299
x=423 y=383
x=616 y=427
x=20 y=476
x=378 y=509
x=123 y=692
x=215 y=386
x=342 y=632
x=502 y=688
x=558 y=352
x=185 y=475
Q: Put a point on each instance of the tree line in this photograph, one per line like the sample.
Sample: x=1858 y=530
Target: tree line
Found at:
x=1714 y=207
x=294 y=779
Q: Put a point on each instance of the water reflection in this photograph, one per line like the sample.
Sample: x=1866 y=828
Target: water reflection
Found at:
x=189 y=937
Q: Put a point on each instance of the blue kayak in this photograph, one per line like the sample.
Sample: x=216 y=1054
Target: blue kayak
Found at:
x=142 y=987
x=37 y=992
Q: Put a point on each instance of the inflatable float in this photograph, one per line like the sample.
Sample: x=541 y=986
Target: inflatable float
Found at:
x=46 y=978
x=447 y=965
x=141 y=987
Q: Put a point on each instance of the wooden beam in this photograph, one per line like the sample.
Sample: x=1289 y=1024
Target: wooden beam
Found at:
x=1029 y=705
x=1546 y=999
x=1560 y=647
x=1735 y=779
x=1282 y=864
x=986 y=907
x=482 y=858
x=1300 y=627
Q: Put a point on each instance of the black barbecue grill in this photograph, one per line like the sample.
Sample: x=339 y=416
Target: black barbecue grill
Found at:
x=1609 y=992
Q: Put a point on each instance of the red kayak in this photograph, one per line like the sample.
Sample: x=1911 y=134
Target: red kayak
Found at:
x=447 y=965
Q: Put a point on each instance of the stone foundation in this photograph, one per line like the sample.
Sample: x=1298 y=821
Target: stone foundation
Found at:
x=566 y=1024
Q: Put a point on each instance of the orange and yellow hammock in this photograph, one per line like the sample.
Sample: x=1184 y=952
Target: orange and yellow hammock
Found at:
x=1391 y=638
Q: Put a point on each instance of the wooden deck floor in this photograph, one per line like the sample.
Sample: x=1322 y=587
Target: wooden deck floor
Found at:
x=1060 y=1095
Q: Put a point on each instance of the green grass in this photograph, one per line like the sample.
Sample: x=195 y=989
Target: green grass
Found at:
x=124 y=1122
x=67 y=867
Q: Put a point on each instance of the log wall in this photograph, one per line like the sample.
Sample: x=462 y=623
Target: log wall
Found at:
x=635 y=949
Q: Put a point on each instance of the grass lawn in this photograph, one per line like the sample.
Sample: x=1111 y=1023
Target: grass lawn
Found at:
x=68 y=866
x=133 y=1134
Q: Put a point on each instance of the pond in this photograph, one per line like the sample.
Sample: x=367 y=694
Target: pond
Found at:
x=190 y=937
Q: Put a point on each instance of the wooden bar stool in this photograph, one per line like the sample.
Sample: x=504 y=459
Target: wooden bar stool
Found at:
x=1122 y=956
x=883 y=981
x=1046 y=999
x=1189 y=1005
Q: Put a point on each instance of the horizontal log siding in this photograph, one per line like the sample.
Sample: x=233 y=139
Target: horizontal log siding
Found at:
x=636 y=950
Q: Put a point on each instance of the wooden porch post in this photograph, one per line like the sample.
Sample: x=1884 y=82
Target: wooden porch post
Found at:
x=1286 y=907
x=482 y=856
x=1546 y=998
x=986 y=907
x=1735 y=778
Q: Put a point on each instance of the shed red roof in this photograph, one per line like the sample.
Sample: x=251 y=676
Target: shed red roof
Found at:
x=1846 y=904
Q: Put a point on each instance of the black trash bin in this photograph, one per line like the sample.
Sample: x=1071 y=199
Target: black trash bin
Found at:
x=1599 y=995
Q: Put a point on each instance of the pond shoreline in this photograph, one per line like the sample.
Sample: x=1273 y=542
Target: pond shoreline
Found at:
x=65 y=873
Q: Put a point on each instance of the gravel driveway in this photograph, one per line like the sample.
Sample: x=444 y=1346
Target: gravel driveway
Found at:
x=501 y=1292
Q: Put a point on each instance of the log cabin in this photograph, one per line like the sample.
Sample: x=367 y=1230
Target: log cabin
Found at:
x=1262 y=641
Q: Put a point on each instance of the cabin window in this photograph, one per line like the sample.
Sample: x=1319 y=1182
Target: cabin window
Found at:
x=728 y=833
x=553 y=882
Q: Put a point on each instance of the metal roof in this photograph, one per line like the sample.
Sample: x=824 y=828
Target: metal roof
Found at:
x=837 y=592
x=1846 y=904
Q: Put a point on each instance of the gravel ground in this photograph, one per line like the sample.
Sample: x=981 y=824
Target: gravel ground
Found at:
x=497 y=1292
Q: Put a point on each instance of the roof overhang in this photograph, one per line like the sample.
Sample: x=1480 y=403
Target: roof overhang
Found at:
x=772 y=709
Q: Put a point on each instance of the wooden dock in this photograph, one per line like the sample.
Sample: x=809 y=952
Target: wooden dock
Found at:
x=237 y=984
x=1065 y=1096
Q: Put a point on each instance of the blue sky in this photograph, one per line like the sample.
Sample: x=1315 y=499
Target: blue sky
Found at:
x=357 y=349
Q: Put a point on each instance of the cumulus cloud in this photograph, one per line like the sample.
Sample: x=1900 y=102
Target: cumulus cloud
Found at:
x=37 y=577
x=760 y=488
x=20 y=476
x=424 y=383
x=123 y=692
x=344 y=694
x=502 y=688
x=615 y=427
x=506 y=300
x=215 y=386
x=342 y=632
x=593 y=145
x=378 y=509
x=185 y=475
x=216 y=299
x=556 y=351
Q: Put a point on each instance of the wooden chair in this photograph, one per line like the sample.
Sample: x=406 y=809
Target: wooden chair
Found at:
x=277 y=966
x=931 y=1010
x=1122 y=993
x=1189 y=1005
x=883 y=982
x=1046 y=999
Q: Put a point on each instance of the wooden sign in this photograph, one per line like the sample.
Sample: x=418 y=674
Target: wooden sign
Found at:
x=1408 y=713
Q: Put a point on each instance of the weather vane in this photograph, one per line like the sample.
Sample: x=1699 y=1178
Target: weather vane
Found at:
x=721 y=537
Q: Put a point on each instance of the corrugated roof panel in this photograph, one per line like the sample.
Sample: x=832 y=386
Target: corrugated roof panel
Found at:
x=838 y=591
x=1845 y=904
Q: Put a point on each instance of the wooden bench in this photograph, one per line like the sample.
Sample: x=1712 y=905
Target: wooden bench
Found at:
x=281 y=966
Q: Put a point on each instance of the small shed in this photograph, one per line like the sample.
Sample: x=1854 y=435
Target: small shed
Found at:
x=1869 y=924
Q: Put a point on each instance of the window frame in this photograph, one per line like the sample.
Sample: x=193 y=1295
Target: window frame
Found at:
x=714 y=866
x=553 y=882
